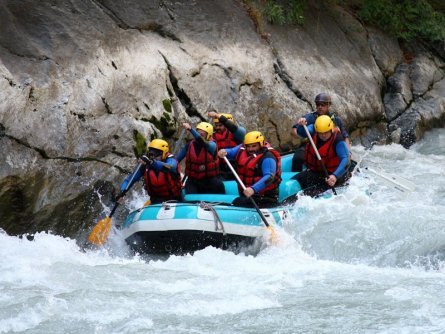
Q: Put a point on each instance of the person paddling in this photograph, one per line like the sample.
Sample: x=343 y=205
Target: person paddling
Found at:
x=323 y=102
x=334 y=154
x=259 y=168
x=161 y=173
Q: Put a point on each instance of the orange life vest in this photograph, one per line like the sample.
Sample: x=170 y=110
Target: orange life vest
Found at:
x=250 y=172
x=202 y=165
x=327 y=154
x=163 y=184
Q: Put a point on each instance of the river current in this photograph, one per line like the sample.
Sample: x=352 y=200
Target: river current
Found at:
x=370 y=260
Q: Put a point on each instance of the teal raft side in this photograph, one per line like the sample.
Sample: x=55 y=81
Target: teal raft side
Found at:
x=227 y=214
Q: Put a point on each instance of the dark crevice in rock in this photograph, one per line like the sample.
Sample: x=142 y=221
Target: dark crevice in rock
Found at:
x=168 y=10
x=107 y=106
x=113 y=16
x=287 y=79
x=45 y=156
x=160 y=30
x=190 y=109
x=113 y=64
x=146 y=106
x=32 y=57
x=10 y=81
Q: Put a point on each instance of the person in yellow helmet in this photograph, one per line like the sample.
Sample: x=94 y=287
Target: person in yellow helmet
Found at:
x=334 y=154
x=323 y=103
x=161 y=173
x=227 y=135
x=202 y=163
x=259 y=167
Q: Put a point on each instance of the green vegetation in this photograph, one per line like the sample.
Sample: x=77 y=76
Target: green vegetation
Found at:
x=405 y=19
x=140 y=143
x=290 y=11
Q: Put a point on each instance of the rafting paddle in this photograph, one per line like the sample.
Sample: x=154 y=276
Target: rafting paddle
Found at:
x=255 y=205
x=100 y=232
x=318 y=156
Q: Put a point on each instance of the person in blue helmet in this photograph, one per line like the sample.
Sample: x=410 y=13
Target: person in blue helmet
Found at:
x=323 y=102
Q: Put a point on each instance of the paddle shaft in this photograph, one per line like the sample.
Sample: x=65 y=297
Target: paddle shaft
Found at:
x=318 y=155
x=127 y=187
x=244 y=188
x=181 y=136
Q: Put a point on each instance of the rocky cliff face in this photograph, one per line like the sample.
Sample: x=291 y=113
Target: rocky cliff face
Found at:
x=82 y=81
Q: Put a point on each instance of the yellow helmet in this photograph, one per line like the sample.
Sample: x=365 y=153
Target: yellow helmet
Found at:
x=228 y=116
x=254 y=137
x=207 y=127
x=323 y=124
x=161 y=145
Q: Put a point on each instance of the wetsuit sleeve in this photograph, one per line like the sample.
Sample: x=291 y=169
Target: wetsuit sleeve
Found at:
x=210 y=145
x=339 y=124
x=303 y=134
x=136 y=178
x=232 y=152
x=269 y=168
x=343 y=153
x=238 y=131
x=182 y=152
x=170 y=165
x=310 y=119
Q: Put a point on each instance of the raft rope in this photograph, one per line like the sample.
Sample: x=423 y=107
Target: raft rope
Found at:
x=217 y=220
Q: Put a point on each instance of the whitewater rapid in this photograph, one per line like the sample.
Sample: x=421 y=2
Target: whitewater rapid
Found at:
x=370 y=260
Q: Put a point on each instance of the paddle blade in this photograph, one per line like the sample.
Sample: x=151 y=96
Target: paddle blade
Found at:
x=274 y=238
x=99 y=234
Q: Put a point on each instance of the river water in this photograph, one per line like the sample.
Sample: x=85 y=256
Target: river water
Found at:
x=370 y=260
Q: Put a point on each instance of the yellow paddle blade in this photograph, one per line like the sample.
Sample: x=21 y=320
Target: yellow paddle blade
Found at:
x=147 y=203
x=274 y=238
x=99 y=234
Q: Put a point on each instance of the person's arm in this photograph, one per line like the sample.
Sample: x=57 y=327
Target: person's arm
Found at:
x=170 y=165
x=310 y=120
x=136 y=178
x=230 y=152
x=210 y=145
x=182 y=152
x=238 y=131
x=343 y=153
x=269 y=169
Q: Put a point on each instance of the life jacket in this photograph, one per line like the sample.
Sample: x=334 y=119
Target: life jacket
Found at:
x=202 y=165
x=327 y=154
x=163 y=184
x=250 y=172
x=225 y=139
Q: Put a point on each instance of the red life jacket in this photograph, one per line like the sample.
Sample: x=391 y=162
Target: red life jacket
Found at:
x=162 y=184
x=249 y=168
x=327 y=154
x=225 y=139
x=202 y=165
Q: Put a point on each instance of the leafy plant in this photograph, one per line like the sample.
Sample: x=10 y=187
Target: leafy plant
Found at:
x=405 y=19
